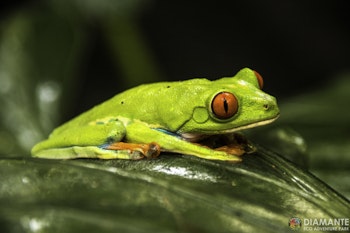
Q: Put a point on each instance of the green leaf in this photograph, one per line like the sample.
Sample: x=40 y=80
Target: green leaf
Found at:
x=173 y=193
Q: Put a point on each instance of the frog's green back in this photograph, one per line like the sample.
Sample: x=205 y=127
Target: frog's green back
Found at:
x=150 y=103
x=185 y=106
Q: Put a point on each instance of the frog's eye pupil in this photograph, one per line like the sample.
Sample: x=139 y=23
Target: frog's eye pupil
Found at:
x=224 y=105
x=260 y=79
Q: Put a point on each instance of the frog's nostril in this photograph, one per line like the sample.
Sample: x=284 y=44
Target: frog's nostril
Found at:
x=266 y=107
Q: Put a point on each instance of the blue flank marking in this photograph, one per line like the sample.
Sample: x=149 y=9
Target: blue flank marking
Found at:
x=109 y=141
x=168 y=132
x=105 y=145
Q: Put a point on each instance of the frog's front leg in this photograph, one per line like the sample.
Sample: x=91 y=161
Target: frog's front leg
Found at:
x=233 y=143
x=100 y=139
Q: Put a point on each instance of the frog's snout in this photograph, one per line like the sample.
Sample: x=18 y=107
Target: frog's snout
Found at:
x=266 y=107
x=270 y=105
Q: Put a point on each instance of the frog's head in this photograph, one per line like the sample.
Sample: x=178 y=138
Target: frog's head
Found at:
x=232 y=104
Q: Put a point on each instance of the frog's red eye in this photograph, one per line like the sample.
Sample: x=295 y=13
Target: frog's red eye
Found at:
x=260 y=79
x=224 y=105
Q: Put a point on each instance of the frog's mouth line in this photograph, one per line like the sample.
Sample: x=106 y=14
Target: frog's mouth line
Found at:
x=260 y=123
x=192 y=137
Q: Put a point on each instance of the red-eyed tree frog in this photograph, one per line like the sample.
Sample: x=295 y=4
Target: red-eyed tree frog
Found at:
x=167 y=116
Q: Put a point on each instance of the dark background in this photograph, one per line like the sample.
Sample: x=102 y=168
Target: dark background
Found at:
x=295 y=45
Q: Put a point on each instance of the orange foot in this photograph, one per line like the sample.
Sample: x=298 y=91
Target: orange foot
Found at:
x=151 y=150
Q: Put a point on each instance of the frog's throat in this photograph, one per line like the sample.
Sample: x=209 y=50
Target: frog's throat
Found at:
x=194 y=137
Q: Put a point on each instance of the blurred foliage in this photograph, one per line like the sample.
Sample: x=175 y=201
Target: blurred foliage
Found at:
x=43 y=50
x=322 y=117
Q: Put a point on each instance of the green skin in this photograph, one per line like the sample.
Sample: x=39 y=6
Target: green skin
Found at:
x=169 y=115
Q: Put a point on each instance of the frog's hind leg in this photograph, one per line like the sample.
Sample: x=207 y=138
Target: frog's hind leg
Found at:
x=134 y=151
x=100 y=139
x=116 y=150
